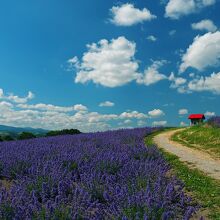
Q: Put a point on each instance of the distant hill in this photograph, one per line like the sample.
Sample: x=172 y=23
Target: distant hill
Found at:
x=4 y=129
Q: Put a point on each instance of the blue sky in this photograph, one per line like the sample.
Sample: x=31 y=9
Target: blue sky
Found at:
x=98 y=65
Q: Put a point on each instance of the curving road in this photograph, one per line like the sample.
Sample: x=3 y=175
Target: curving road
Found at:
x=195 y=158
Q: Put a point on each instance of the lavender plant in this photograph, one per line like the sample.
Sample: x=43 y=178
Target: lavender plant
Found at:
x=214 y=121
x=104 y=175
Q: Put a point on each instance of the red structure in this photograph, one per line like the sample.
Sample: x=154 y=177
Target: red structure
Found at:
x=196 y=119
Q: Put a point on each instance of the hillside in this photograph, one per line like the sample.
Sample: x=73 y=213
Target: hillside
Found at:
x=205 y=138
x=4 y=129
x=104 y=175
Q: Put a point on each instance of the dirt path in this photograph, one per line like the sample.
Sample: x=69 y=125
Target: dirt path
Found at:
x=195 y=158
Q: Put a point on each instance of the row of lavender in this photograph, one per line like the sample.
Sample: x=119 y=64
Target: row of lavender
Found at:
x=109 y=175
x=214 y=121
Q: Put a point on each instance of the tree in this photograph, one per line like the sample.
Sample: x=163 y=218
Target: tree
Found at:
x=1 y=139
x=63 y=132
x=26 y=135
x=8 y=138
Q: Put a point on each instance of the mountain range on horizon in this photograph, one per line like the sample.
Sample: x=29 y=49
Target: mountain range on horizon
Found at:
x=16 y=130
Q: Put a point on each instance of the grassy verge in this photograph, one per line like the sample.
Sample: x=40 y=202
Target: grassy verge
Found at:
x=203 y=189
x=204 y=138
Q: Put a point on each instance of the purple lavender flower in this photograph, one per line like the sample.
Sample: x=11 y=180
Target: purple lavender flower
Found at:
x=104 y=175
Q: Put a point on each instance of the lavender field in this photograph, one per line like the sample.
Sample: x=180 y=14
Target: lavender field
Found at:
x=108 y=175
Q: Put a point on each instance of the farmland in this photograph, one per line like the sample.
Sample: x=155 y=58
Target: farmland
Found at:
x=105 y=175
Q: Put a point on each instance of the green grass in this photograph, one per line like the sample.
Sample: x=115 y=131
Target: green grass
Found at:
x=203 y=189
x=204 y=138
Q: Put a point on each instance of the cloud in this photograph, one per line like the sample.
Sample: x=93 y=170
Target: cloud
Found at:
x=172 y=32
x=106 y=104
x=203 y=52
x=46 y=107
x=209 y=114
x=208 y=2
x=1 y=93
x=159 y=123
x=112 y=64
x=183 y=124
x=152 y=38
x=151 y=74
x=78 y=116
x=49 y=107
x=80 y=107
x=197 y=83
x=50 y=119
x=5 y=105
x=176 y=81
x=208 y=83
x=141 y=123
x=183 y=111
x=156 y=113
x=133 y=114
x=204 y=25
x=178 y=8
x=109 y=63
x=125 y=122
x=128 y=15
x=179 y=83
x=16 y=99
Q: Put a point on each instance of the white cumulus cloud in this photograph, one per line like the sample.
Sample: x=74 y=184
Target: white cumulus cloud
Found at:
x=5 y=105
x=151 y=74
x=112 y=64
x=152 y=38
x=197 y=83
x=16 y=99
x=176 y=81
x=208 y=83
x=106 y=104
x=183 y=111
x=203 y=52
x=172 y=32
x=183 y=124
x=204 y=25
x=109 y=63
x=53 y=117
x=128 y=15
x=159 y=123
x=80 y=107
x=141 y=123
x=53 y=108
x=209 y=114
x=156 y=113
x=45 y=107
x=133 y=114
x=1 y=93
x=178 y=8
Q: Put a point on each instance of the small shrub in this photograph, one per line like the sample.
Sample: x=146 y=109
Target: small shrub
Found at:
x=8 y=138
x=63 y=132
x=26 y=135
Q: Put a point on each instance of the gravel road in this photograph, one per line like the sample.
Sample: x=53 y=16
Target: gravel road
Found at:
x=195 y=158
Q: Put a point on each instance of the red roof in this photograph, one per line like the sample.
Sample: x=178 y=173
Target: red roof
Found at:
x=196 y=116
